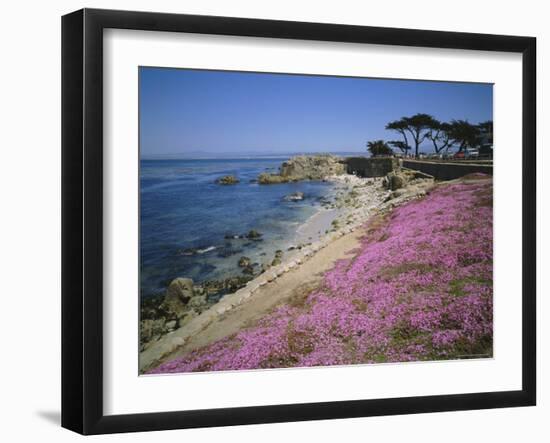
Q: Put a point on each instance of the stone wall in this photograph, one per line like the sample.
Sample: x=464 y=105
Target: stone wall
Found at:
x=447 y=171
x=371 y=167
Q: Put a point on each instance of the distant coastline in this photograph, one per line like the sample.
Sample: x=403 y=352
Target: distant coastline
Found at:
x=199 y=155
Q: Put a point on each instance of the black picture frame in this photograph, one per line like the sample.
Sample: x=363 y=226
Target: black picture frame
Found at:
x=82 y=218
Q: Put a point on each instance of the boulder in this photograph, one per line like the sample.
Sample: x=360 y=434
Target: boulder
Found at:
x=404 y=179
x=395 y=180
x=171 y=325
x=227 y=180
x=178 y=294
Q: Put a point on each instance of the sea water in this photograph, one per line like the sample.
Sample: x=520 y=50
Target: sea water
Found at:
x=185 y=217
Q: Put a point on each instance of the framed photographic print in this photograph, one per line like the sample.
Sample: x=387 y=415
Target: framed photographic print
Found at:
x=268 y=221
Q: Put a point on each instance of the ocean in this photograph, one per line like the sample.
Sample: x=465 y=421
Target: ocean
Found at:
x=186 y=217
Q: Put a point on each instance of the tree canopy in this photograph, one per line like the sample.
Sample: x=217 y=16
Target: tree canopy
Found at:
x=464 y=134
x=379 y=148
x=443 y=135
x=418 y=127
x=439 y=134
x=401 y=145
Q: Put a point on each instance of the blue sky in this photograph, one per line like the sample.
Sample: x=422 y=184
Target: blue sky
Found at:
x=218 y=113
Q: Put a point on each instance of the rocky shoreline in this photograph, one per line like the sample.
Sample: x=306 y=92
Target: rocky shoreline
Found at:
x=185 y=306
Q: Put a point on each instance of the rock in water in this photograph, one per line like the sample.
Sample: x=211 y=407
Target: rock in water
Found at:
x=253 y=234
x=231 y=236
x=266 y=178
x=294 y=197
x=178 y=294
x=227 y=180
x=244 y=262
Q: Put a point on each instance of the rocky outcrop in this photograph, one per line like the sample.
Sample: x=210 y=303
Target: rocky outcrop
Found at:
x=313 y=167
x=227 y=180
x=305 y=167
